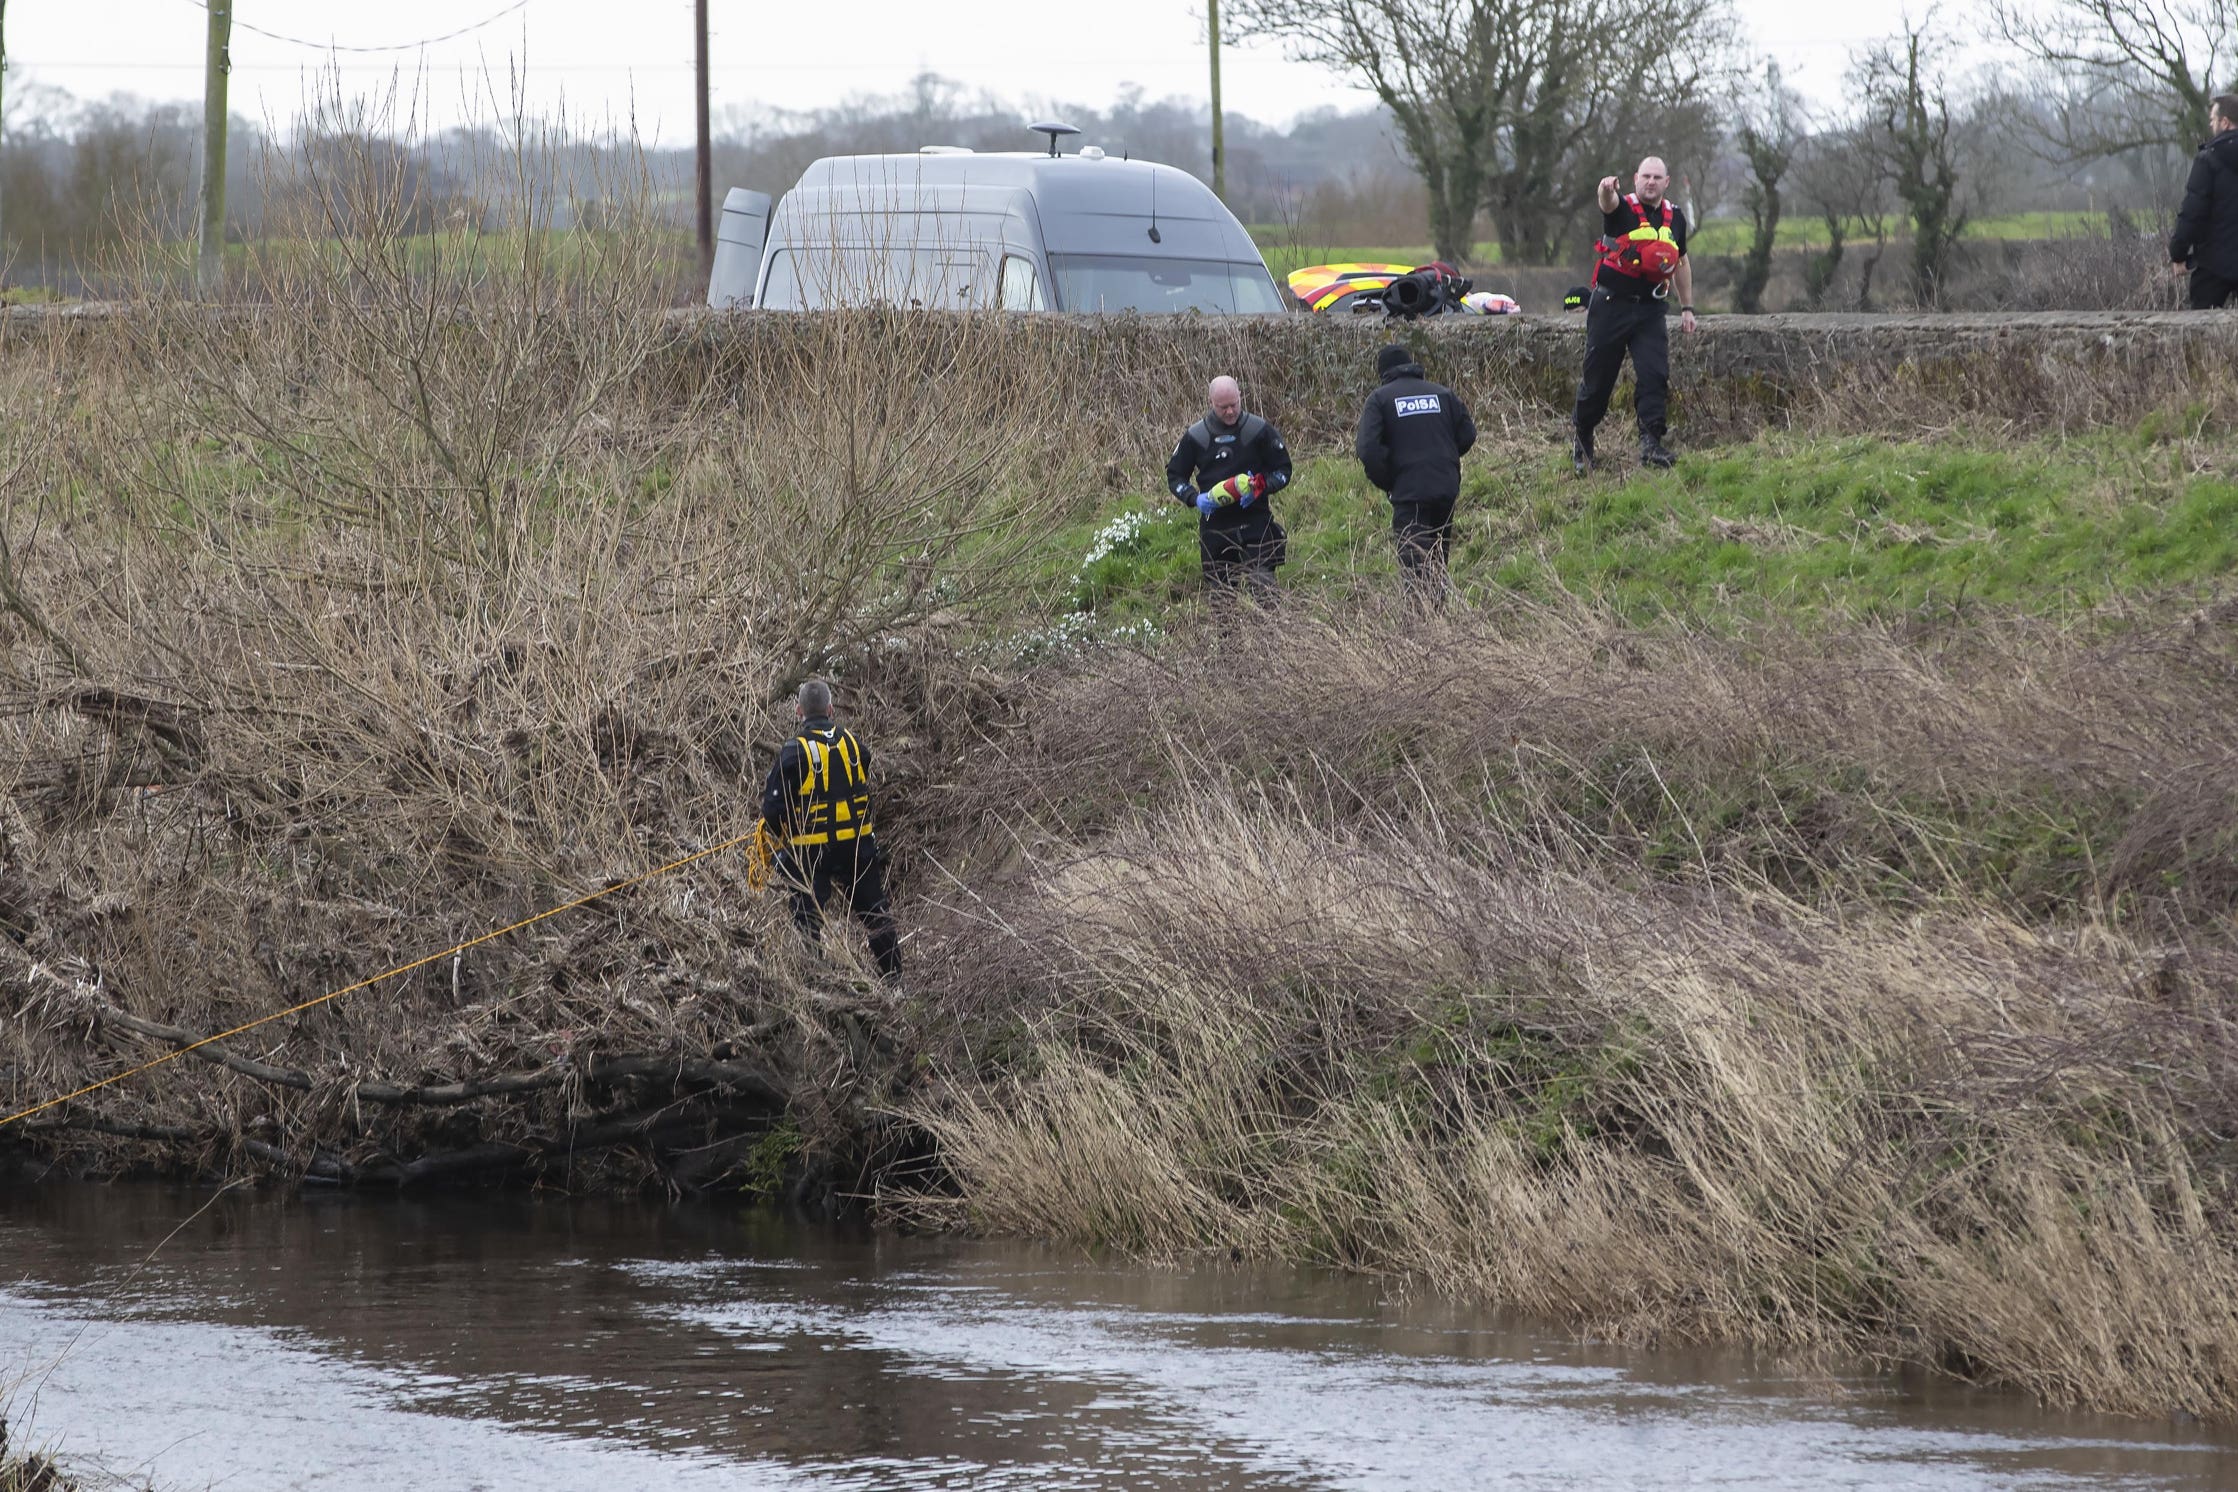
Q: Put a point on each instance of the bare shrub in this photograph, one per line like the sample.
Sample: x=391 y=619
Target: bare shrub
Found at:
x=397 y=602
x=2124 y=268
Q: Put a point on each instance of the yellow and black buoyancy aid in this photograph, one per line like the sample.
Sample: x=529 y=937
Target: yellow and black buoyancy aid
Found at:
x=831 y=801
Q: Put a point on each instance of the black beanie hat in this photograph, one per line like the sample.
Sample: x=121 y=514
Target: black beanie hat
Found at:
x=1391 y=357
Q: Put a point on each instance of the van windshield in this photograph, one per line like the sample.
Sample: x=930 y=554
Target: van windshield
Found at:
x=1098 y=282
x=810 y=279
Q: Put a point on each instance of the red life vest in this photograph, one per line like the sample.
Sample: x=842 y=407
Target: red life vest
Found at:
x=1650 y=252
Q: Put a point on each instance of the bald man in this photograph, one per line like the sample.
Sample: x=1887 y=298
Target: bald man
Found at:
x=1642 y=263
x=1226 y=467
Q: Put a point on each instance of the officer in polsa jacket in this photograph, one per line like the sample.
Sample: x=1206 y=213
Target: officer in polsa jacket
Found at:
x=1413 y=434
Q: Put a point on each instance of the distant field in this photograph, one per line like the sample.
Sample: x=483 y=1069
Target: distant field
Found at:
x=1720 y=236
x=1728 y=236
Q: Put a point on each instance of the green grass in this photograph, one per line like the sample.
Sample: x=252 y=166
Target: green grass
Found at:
x=470 y=251
x=1719 y=236
x=1854 y=528
x=1731 y=236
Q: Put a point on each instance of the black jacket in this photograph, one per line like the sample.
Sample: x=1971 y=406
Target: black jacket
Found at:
x=1413 y=435
x=2206 y=235
x=1212 y=452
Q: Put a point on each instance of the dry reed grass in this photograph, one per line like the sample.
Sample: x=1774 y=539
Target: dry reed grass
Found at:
x=2056 y=769
x=31 y=1471
x=1376 y=961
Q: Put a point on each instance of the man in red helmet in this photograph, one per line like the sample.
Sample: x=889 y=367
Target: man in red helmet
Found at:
x=1642 y=262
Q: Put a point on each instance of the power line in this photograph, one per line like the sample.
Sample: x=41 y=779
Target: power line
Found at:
x=574 y=67
x=401 y=46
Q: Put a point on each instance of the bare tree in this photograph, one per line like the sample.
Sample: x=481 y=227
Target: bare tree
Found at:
x=2138 y=73
x=1507 y=103
x=1846 y=184
x=1911 y=127
x=1771 y=132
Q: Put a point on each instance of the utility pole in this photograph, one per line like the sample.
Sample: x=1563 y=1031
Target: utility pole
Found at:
x=1219 y=154
x=209 y=269
x=3 y=129
x=705 y=207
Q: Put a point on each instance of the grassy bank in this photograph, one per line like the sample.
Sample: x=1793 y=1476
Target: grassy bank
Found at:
x=1863 y=529
x=1784 y=899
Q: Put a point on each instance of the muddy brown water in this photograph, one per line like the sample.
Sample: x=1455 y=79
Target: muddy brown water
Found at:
x=513 y=1341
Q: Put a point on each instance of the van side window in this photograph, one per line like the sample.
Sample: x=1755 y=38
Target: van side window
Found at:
x=1021 y=287
x=818 y=276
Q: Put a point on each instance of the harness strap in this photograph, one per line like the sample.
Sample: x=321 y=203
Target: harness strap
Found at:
x=1614 y=252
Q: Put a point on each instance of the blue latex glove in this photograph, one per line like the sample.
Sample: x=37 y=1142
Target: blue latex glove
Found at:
x=1207 y=504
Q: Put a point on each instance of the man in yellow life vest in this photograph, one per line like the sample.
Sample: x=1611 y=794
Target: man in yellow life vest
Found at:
x=1640 y=262
x=816 y=801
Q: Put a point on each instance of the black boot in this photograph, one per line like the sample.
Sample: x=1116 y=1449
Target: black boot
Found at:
x=1581 y=452
x=1654 y=453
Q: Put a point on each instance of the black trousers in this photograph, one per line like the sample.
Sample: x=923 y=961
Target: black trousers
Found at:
x=859 y=870
x=1612 y=328
x=1239 y=557
x=1423 y=533
x=2209 y=291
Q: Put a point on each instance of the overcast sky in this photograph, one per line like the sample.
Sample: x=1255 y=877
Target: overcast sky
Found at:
x=601 y=56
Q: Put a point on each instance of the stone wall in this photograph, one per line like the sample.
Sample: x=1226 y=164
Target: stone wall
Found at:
x=1129 y=378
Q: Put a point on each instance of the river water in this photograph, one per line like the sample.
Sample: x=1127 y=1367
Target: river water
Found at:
x=501 y=1341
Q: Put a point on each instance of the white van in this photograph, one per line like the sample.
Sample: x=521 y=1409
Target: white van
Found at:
x=956 y=230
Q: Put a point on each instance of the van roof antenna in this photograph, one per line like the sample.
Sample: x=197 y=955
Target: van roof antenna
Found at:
x=1155 y=235
x=1055 y=130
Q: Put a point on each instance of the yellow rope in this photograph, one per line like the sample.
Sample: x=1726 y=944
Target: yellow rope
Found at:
x=759 y=857
x=758 y=835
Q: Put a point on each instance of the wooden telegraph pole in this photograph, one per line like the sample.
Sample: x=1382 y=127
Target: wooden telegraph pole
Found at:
x=209 y=268
x=1219 y=154
x=705 y=207
x=3 y=127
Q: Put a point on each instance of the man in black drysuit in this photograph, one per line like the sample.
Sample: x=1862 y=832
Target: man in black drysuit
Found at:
x=1642 y=260
x=1226 y=467
x=817 y=802
x=2206 y=238
x=1413 y=434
